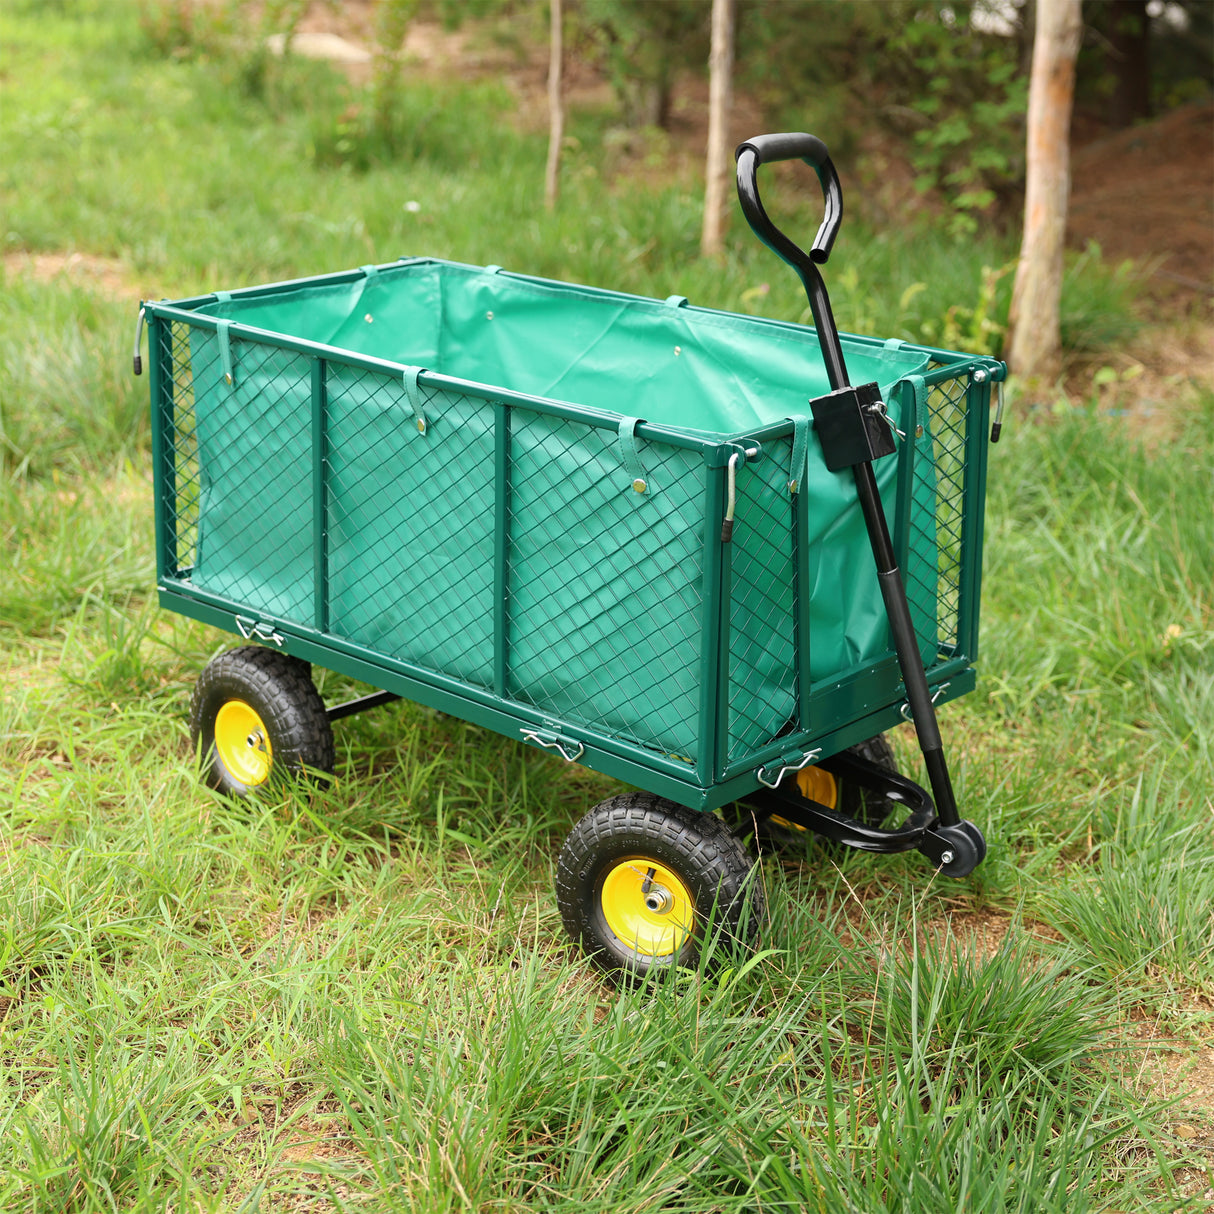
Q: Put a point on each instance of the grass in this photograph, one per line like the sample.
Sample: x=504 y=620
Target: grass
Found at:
x=359 y=998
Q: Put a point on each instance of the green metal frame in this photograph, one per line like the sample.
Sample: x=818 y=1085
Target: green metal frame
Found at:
x=832 y=714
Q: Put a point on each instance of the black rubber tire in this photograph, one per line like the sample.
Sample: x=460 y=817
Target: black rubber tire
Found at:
x=709 y=860
x=859 y=802
x=279 y=689
x=968 y=847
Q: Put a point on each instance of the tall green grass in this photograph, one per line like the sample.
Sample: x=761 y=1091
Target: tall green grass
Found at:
x=359 y=997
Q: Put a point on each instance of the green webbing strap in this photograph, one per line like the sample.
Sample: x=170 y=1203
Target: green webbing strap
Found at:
x=919 y=387
x=891 y=349
x=632 y=458
x=223 y=296
x=800 y=450
x=222 y=328
x=369 y=271
x=676 y=301
x=413 y=392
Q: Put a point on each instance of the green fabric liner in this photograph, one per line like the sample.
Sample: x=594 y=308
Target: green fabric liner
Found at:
x=605 y=584
x=693 y=368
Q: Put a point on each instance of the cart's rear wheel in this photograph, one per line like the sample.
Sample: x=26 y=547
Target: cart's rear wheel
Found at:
x=827 y=789
x=641 y=882
x=255 y=716
x=862 y=803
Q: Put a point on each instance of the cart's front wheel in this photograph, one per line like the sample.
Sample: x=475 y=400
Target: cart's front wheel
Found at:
x=642 y=882
x=256 y=715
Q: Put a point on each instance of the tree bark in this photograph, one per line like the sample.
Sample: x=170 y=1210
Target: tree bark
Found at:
x=556 y=107
x=1034 y=345
x=1129 y=60
x=720 y=102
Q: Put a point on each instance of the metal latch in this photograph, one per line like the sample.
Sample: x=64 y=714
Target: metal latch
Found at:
x=568 y=748
x=788 y=763
x=254 y=630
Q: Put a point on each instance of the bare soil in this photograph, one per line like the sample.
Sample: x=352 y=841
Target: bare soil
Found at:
x=1147 y=193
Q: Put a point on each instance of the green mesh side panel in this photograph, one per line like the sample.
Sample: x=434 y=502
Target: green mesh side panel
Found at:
x=255 y=458
x=604 y=603
x=606 y=584
x=410 y=536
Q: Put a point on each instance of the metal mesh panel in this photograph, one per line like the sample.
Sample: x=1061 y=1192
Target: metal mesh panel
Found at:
x=943 y=480
x=254 y=448
x=410 y=523
x=183 y=487
x=762 y=637
x=606 y=597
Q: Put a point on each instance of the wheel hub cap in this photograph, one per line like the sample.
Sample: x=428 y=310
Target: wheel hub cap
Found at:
x=241 y=743
x=648 y=907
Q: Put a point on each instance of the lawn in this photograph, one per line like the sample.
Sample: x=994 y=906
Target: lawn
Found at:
x=359 y=997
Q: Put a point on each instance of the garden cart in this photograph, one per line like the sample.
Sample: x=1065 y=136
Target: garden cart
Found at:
x=673 y=544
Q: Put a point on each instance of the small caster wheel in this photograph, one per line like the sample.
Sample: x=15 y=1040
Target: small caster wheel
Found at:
x=641 y=880
x=957 y=850
x=256 y=715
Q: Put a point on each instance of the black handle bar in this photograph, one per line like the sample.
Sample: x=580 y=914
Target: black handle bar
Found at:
x=767 y=149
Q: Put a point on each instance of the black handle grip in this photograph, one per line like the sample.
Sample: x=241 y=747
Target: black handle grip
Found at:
x=764 y=149
x=791 y=145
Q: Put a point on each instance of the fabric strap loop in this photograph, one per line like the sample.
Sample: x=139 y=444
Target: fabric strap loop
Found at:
x=800 y=451
x=413 y=392
x=222 y=330
x=632 y=457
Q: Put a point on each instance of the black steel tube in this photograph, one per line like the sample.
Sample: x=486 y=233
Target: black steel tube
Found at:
x=350 y=707
x=751 y=154
x=918 y=694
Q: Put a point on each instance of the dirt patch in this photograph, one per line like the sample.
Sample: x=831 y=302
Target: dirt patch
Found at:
x=106 y=276
x=1147 y=193
x=1169 y=1069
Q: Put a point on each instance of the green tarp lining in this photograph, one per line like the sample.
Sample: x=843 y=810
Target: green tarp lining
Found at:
x=605 y=607
x=686 y=367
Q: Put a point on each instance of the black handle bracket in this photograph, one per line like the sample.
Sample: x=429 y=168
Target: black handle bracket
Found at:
x=852 y=426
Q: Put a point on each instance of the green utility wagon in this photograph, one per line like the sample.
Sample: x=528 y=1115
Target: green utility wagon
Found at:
x=672 y=544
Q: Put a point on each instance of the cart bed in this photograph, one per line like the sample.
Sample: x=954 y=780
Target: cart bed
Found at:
x=424 y=475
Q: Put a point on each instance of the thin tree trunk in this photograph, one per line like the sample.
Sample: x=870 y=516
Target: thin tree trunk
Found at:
x=720 y=102
x=556 y=108
x=1129 y=60
x=1034 y=340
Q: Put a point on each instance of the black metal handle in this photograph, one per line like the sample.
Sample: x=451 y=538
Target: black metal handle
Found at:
x=766 y=149
x=791 y=145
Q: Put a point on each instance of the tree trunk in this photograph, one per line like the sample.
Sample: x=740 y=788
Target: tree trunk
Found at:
x=1129 y=59
x=1034 y=338
x=720 y=102
x=556 y=108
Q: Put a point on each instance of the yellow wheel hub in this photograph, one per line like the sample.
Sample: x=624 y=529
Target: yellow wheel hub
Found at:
x=648 y=907
x=242 y=744
x=817 y=785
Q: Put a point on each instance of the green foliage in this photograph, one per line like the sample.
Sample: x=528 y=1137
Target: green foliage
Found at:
x=971 y=96
x=923 y=72
x=641 y=46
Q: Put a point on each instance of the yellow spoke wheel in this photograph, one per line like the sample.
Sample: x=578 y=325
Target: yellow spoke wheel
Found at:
x=645 y=885
x=242 y=744
x=647 y=907
x=816 y=784
x=256 y=718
